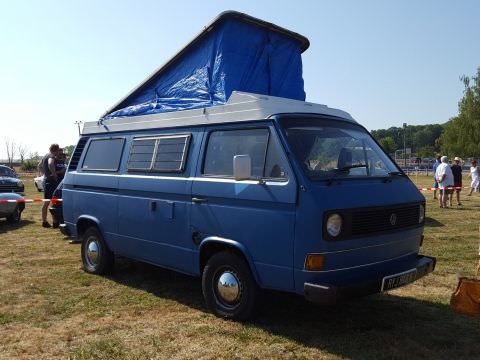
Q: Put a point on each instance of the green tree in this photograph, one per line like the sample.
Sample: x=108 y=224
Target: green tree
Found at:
x=416 y=136
x=29 y=165
x=426 y=151
x=68 y=150
x=461 y=136
x=388 y=144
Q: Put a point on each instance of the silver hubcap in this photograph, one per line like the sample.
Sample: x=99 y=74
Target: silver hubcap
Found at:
x=92 y=252
x=228 y=287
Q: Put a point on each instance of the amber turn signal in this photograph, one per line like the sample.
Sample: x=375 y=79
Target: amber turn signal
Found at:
x=314 y=262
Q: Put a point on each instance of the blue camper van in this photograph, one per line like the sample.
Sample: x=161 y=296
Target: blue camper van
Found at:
x=247 y=191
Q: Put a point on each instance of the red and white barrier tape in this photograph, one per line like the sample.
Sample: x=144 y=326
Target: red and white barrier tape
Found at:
x=53 y=200
x=449 y=188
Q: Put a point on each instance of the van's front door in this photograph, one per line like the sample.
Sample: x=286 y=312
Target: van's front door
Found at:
x=257 y=214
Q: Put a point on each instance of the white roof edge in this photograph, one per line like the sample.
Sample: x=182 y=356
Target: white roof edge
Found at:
x=241 y=106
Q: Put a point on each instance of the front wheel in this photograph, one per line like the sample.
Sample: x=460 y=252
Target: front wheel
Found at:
x=15 y=217
x=229 y=289
x=96 y=256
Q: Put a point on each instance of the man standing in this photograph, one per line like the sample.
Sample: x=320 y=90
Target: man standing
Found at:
x=435 y=182
x=457 y=179
x=444 y=178
x=49 y=180
x=60 y=165
x=475 y=176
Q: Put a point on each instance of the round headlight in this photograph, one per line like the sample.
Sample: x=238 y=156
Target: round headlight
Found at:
x=421 y=216
x=334 y=225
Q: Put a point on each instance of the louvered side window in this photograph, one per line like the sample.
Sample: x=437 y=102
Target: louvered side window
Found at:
x=159 y=154
x=72 y=165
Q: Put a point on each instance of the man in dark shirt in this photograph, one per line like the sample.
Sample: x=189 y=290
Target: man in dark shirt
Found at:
x=60 y=171
x=50 y=180
x=457 y=179
x=60 y=165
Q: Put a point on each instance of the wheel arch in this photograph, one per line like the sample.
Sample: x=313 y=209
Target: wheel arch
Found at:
x=214 y=244
x=84 y=222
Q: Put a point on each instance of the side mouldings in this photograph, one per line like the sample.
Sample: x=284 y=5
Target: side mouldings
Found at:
x=232 y=244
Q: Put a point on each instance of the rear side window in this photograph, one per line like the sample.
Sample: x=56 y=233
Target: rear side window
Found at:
x=224 y=145
x=103 y=154
x=159 y=154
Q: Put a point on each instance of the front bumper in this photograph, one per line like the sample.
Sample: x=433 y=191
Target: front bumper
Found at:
x=327 y=294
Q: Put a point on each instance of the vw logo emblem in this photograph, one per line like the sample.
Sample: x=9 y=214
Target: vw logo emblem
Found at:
x=393 y=219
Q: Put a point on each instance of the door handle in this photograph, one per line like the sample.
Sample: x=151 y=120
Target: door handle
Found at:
x=153 y=205
x=196 y=200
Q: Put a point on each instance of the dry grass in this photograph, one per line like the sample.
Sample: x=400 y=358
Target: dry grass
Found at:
x=50 y=308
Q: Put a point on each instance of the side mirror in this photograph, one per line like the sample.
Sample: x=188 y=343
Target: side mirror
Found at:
x=242 y=167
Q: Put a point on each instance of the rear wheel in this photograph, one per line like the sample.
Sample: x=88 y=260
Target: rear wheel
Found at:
x=15 y=217
x=229 y=289
x=96 y=256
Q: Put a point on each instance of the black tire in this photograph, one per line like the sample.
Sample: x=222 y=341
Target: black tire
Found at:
x=103 y=262
x=244 y=305
x=15 y=217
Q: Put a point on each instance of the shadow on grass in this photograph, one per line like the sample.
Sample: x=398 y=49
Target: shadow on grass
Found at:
x=431 y=222
x=6 y=226
x=160 y=282
x=379 y=326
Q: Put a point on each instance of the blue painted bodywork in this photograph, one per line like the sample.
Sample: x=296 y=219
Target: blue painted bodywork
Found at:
x=274 y=225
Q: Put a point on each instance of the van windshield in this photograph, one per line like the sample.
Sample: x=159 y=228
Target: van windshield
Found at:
x=328 y=149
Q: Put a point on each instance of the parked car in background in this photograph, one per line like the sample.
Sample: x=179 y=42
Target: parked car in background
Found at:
x=11 y=188
x=39 y=183
x=9 y=181
x=11 y=211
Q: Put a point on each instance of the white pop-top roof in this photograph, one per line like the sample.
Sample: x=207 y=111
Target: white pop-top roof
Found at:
x=240 y=107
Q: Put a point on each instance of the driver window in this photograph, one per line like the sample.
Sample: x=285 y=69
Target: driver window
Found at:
x=274 y=168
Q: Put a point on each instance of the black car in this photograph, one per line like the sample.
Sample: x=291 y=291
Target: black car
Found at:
x=56 y=208
x=9 y=181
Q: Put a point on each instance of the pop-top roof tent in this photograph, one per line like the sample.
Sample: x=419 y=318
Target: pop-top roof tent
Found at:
x=234 y=52
x=238 y=68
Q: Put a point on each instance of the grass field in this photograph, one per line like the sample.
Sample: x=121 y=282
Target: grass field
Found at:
x=50 y=308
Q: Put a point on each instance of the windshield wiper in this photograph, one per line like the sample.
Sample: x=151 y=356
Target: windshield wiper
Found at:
x=342 y=170
x=396 y=173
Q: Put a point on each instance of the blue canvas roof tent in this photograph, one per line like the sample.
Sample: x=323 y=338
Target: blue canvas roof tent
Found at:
x=235 y=52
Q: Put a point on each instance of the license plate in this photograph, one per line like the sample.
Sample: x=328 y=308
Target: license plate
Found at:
x=397 y=280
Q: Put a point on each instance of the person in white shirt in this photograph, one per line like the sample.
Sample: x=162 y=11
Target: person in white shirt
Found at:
x=475 y=176
x=444 y=177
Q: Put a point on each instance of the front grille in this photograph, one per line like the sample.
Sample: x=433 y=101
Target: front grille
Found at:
x=367 y=221
x=8 y=187
x=385 y=219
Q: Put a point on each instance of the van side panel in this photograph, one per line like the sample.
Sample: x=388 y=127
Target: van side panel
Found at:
x=93 y=193
x=153 y=212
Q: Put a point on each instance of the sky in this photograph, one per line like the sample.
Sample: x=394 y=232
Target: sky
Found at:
x=384 y=62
